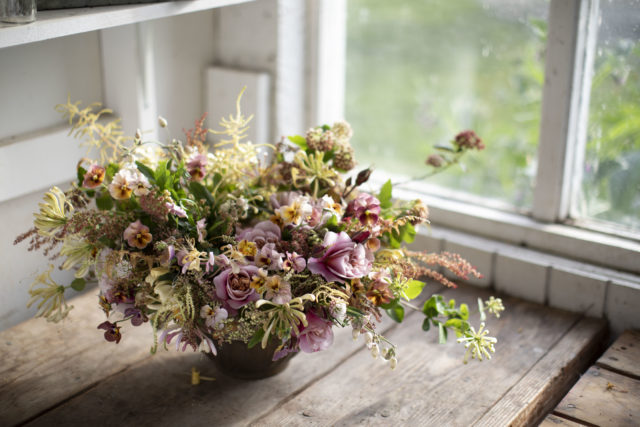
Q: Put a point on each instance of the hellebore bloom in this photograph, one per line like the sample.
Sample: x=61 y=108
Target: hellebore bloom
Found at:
x=94 y=176
x=137 y=235
x=342 y=259
x=317 y=335
x=234 y=289
x=366 y=208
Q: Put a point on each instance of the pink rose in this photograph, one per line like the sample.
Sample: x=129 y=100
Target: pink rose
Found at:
x=262 y=233
x=317 y=335
x=342 y=259
x=234 y=289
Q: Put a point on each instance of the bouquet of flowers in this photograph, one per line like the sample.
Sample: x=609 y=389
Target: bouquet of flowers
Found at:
x=250 y=243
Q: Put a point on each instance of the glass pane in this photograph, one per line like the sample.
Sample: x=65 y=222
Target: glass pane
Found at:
x=610 y=188
x=419 y=72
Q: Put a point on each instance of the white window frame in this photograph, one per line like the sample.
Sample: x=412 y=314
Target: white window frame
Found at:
x=570 y=47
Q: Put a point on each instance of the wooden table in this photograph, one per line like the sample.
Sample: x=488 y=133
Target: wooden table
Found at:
x=68 y=375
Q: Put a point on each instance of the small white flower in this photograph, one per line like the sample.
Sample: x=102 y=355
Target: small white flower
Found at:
x=162 y=122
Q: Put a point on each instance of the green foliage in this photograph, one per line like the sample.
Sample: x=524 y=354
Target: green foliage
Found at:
x=112 y=169
x=300 y=141
x=104 y=201
x=81 y=172
x=394 y=310
x=78 y=284
x=445 y=315
x=256 y=338
x=146 y=171
x=200 y=192
x=385 y=195
x=413 y=289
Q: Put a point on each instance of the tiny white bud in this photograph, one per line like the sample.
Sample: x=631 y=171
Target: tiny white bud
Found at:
x=368 y=338
x=355 y=334
x=162 y=121
x=393 y=363
x=138 y=134
x=375 y=350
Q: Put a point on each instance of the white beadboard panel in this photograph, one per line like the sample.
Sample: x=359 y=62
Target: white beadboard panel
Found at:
x=480 y=258
x=524 y=278
x=17 y=265
x=622 y=307
x=36 y=77
x=183 y=50
x=35 y=161
x=223 y=86
x=577 y=291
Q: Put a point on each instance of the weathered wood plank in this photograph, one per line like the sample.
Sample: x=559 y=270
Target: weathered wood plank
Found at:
x=555 y=421
x=623 y=356
x=431 y=386
x=540 y=390
x=158 y=391
x=604 y=398
x=44 y=363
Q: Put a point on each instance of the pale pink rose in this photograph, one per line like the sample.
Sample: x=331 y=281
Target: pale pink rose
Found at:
x=234 y=289
x=342 y=259
x=317 y=335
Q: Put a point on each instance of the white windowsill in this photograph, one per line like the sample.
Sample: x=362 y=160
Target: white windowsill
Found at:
x=571 y=242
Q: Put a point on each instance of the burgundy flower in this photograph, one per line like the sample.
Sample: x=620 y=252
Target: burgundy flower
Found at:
x=262 y=233
x=317 y=335
x=137 y=316
x=342 y=259
x=366 y=208
x=197 y=166
x=112 y=332
x=468 y=140
x=234 y=289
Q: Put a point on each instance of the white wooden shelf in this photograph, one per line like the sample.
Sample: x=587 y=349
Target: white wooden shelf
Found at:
x=65 y=22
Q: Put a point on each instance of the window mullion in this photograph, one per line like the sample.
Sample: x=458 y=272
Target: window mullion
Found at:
x=562 y=96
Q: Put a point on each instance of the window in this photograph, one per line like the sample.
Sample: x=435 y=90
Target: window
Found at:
x=545 y=58
x=610 y=183
x=424 y=70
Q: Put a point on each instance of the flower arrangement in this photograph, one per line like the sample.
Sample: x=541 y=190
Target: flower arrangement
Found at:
x=247 y=242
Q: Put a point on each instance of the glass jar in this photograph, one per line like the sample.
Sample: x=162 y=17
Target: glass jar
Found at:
x=18 y=11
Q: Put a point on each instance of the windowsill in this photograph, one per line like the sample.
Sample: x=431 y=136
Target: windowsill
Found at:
x=490 y=221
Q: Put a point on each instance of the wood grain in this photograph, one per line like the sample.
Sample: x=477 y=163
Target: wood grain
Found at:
x=623 y=356
x=430 y=386
x=44 y=363
x=555 y=421
x=540 y=390
x=604 y=398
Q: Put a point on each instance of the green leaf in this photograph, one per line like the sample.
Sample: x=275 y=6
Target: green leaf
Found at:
x=426 y=324
x=414 y=288
x=81 y=173
x=299 y=140
x=78 y=284
x=112 y=169
x=385 y=195
x=408 y=233
x=104 y=201
x=146 y=171
x=161 y=175
x=256 y=338
x=396 y=312
x=442 y=333
x=107 y=242
x=326 y=127
x=464 y=311
x=454 y=323
x=201 y=192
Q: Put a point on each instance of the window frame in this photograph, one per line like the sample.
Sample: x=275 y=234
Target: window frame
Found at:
x=551 y=225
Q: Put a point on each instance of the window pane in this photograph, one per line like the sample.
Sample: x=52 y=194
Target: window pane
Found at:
x=418 y=72
x=610 y=188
